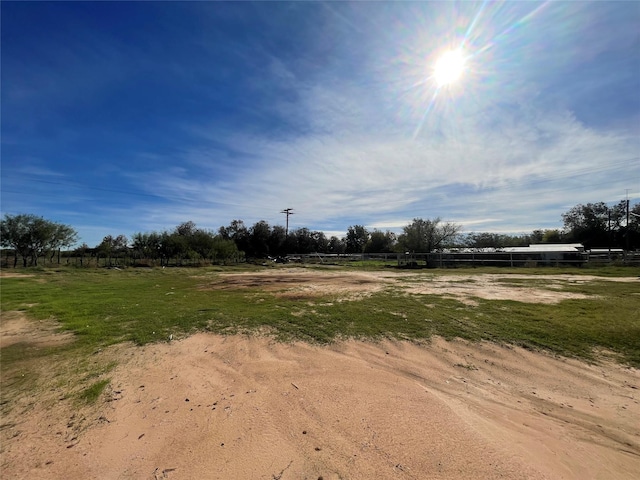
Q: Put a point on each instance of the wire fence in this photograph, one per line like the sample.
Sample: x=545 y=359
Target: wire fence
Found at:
x=400 y=260
x=473 y=259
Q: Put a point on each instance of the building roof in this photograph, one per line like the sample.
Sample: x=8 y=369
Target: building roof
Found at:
x=547 y=247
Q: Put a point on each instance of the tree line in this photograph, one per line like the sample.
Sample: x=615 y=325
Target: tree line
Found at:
x=594 y=225
x=30 y=237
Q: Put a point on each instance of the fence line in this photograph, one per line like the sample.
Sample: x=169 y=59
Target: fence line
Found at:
x=458 y=259
x=8 y=260
x=403 y=260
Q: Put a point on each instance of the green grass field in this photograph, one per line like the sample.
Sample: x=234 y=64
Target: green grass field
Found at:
x=104 y=307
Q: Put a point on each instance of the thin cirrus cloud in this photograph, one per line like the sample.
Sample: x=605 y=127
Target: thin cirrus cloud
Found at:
x=370 y=175
x=214 y=112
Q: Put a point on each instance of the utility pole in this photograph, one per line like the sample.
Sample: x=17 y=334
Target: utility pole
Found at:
x=626 y=233
x=287 y=212
x=609 y=213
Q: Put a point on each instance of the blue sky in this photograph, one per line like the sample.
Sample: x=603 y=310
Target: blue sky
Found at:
x=124 y=117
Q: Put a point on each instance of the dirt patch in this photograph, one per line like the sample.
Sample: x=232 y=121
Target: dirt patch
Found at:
x=247 y=407
x=17 y=328
x=6 y=274
x=302 y=284
x=497 y=287
x=515 y=287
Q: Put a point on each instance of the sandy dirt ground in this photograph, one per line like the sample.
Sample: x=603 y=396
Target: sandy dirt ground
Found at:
x=16 y=328
x=247 y=407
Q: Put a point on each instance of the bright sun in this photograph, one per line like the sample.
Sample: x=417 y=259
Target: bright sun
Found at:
x=448 y=68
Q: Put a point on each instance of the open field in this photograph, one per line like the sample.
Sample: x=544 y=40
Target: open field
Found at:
x=479 y=373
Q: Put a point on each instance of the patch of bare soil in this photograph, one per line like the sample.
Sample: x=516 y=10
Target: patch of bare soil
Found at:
x=246 y=407
x=501 y=287
x=6 y=274
x=493 y=287
x=17 y=328
x=303 y=283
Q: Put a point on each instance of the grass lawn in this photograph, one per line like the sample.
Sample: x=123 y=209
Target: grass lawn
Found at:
x=104 y=307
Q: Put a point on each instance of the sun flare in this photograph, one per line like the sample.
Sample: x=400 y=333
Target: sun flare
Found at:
x=449 y=67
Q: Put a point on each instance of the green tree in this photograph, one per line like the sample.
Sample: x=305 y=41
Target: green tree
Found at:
x=186 y=229
x=146 y=245
x=336 y=245
x=113 y=247
x=81 y=251
x=380 y=242
x=552 y=236
x=485 y=240
x=203 y=244
x=631 y=232
x=498 y=240
x=259 y=236
x=594 y=224
x=304 y=240
x=172 y=245
x=356 y=239
x=225 y=250
x=193 y=243
x=238 y=232
x=425 y=236
x=277 y=239
x=537 y=236
x=31 y=236
x=320 y=242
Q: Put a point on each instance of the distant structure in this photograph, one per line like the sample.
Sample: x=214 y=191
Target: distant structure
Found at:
x=547 y=253
x=533 y=255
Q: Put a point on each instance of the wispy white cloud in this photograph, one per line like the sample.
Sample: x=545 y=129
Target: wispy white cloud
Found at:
x=337 y=123
x=38 y=171
x=517 y=173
